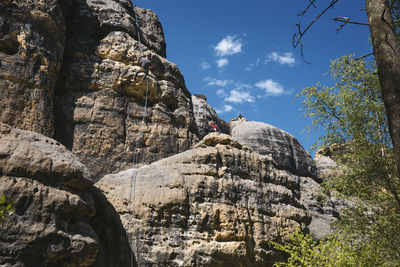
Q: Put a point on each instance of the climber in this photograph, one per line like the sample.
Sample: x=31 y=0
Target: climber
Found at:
x=213 y=127
x=146 y=64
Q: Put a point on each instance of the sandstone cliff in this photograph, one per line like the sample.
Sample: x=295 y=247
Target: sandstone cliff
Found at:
x=32 y=35
x=98 y=108
x=66 y=70
x=204 y=113
x=61 y=219
x=266 y=139
x=215 y=205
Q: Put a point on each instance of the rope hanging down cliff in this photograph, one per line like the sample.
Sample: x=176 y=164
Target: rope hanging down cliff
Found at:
x=138 y=33
x=132 y=192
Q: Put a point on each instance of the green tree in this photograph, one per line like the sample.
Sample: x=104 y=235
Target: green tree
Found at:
x=335 y=250
x=384 y=28
x=352 y=113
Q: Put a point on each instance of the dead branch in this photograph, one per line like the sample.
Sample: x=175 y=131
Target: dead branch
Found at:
x=296 y=40
x=306 y=9
x=367 y=55
x=346 y=20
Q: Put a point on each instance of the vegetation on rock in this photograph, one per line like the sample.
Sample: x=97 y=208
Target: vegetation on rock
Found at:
x=6 y=208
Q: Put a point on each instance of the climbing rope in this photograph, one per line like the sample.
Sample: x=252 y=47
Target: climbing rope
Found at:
x=132 y=192
x=138 y=33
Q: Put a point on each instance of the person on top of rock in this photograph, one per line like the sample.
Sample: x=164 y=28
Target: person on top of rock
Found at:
x=146 y=64
x=213 y=127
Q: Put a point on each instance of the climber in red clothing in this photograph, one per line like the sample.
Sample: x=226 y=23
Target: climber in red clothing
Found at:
x=213 y=127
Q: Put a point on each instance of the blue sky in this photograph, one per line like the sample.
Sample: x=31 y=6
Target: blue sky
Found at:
x=240 y=56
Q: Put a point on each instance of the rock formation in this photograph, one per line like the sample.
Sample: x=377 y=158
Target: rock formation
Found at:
x=266 y=139
x=66 y=71
x=325 y=160
x=32 y=35
x=99 y=109
x=215 y=205
x=289 y=154
x=61 y=219
x=204 y=113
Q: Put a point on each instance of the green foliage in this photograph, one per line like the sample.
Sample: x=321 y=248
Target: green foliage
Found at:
x=6 y=208
x=353 y=116
x=335 y=250
x=350 y=109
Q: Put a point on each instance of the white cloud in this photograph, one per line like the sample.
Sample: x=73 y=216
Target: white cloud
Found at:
x=222 y=62
x=237 y=96
x=270 y=87
x=228 y=46
x=221 y=92
x=285 y=58
x=252 y=65
x=215 y=82
x=224 y=109
x=205 y=65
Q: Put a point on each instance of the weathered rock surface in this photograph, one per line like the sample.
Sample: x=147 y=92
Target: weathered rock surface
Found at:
x=323 y=209
x=266 y=139
x=32 y=35
x=289 y=154
x=152 y=31
x=325 y=161
x=204 y=113
x=215 y=205
x=61 y=219
x=99 y=109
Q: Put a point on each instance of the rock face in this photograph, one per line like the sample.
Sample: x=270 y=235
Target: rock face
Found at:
x=323 y=209
x=61 y=219
x=151 y=30
x=32 y=35
x=204 y=113
x=324 y=160
x=99 y=109
x=66 y=69
x=215 y=205
x=289 y=154
x=266 y=139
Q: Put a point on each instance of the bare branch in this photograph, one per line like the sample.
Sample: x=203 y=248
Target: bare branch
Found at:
x=301 y=33
x=309 y=5
x=301 y=47
x=346 y=20
x=367 y=55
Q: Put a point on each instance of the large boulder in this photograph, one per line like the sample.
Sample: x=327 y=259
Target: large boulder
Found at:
x=60 y=218
x=32 y=35
x=215 y=205
x=266 y=139
x=204 y=113
x=99 y=108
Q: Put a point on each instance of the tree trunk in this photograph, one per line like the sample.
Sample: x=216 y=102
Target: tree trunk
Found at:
x=387 y=55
